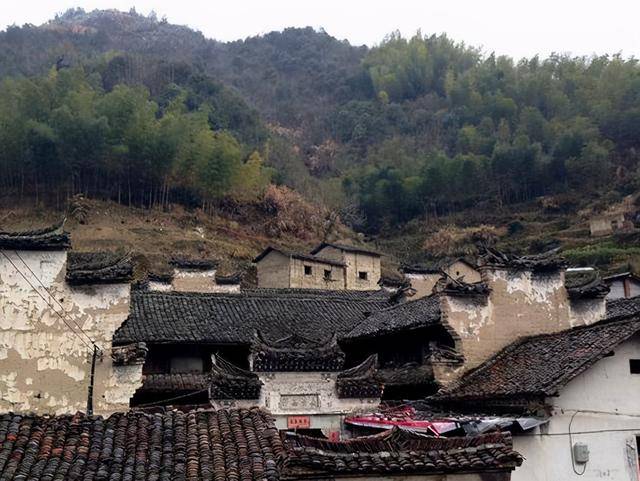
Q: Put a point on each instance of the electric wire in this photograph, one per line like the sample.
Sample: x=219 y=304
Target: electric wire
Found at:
x=56 y=301
x=89 y=346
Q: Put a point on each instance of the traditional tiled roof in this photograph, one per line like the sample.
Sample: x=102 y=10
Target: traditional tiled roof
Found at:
x=231 y=382
x=437 y=266
x=298 y=255
x=457 y=287
x=173 y=317
x=409 y=315
x=193 y=264
x=50 y=238
x=585 y=284
x=361 y=381
x=398 y=452
x=174 y=382
x=539 y=366
x=346 y=248
x=226 y=445
x=296 y=353
x=622 y=307
x=409 y=374
x=98 y=268
x=546 y=262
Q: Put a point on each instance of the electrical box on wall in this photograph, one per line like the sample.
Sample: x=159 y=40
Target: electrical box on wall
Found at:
x=580 y=453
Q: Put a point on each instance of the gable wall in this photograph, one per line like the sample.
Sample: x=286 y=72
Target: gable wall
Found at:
x=44 y=368
x=274 y=271
x=422 y=283
x=462 y=269
x=356 y=262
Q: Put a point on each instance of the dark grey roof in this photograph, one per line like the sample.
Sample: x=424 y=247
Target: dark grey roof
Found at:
x=345 y=247
x=298 y=255
x=409 y=315
x=98 y=268
x=175 y=317
x=50 y=238
x=193 y=264
x=585 y=284
x=622 y=307
x=540 y=365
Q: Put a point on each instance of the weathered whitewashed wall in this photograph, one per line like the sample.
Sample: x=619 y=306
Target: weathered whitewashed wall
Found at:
x=422 y=283
x=356 y=262
x=606 y=399
x=520 y=304
x=310 y=394
x=44 y=367
x=192 y=280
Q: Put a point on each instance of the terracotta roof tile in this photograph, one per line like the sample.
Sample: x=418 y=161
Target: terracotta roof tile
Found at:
x=539 y=365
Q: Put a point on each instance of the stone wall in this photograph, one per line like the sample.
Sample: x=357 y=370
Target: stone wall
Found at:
x=44 y=367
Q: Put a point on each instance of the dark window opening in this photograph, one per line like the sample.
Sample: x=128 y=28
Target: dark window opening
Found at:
x=363 y=276
x=327 y=275
x=307 y=270
x=634 y=366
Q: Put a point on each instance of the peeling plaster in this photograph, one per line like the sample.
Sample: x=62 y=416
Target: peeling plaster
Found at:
x=45 y=367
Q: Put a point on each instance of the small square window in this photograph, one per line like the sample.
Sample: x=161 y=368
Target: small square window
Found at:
x=634 y=366
x=363 y=276
x=307 y=270
x=327 y=274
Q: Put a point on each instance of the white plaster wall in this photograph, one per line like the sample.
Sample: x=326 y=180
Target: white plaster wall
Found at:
x=586 y=311
x=320 y=386
x=192 y=280
x=607 y=397
x=44 y=367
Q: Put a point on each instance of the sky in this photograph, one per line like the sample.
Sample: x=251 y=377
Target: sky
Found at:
x=513 y=27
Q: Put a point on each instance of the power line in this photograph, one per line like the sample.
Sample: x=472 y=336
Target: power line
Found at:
x=90 y=347
x=56 y=301
x=162 y=401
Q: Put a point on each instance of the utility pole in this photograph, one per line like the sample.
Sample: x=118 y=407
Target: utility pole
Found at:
x=93 y=372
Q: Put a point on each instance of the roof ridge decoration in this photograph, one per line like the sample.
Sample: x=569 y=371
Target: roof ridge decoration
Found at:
x=98 y=268
x=549 y=261
x=361 y=381
x=458 y=287
x=231 y=382
x=49 y=238
x=296 y=353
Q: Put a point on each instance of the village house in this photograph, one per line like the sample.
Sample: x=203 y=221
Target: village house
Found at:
x=328 y=266
x=233 y=445
x=583 y=382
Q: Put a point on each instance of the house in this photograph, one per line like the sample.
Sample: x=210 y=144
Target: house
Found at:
x=276 y=348
x=362 y=271
x=278 y=268
x=423 y=278
x=328 y=266
x=584 y=381
x=236 y=444
x=625 y=284
x=606 y=223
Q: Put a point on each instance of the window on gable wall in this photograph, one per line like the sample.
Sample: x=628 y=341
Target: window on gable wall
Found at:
x=307 y=270
x=327 y=274
x=634 y=366
x=363 y=276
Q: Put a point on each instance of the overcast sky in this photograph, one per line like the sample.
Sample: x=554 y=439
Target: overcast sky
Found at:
x=514 y=27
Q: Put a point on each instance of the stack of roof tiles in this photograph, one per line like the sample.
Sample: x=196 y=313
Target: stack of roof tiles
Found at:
x=537 y=366
x=399 y=452
x=233 y=445
x=98 y=268
x=50 y=238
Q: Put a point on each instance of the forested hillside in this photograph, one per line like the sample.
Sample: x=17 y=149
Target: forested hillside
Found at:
x=138 y=110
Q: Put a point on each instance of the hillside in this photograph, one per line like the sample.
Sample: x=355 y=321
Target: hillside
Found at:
x=400 y=141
